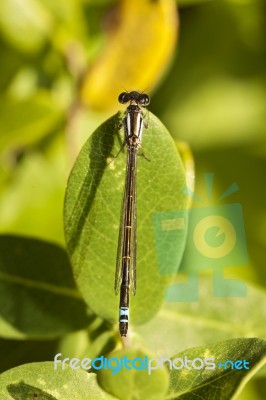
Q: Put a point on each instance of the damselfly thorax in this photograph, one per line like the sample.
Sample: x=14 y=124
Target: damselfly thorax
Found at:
x=133 y=125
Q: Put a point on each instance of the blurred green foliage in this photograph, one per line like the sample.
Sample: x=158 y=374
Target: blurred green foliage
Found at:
x=213 y=96
x=219 y=106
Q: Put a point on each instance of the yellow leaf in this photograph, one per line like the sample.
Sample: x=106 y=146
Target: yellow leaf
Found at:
x=136 y=55
x=189 y=166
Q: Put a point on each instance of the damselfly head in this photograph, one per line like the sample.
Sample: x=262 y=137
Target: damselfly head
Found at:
x=140 y=98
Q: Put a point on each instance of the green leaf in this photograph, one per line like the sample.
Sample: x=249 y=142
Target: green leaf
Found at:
x=235 y=111
x=133 y=383
x=25 y=23
x=223 y=382
x=24 y=122
x=17 y=352
x=95 y=341
x=32 y=195
x=42 y=381
x=92 y=215
x=38 y=297
x=11 y=62
x=71 y=24
x=206 y=320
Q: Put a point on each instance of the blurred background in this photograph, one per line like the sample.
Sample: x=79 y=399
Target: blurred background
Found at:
x=63 y=65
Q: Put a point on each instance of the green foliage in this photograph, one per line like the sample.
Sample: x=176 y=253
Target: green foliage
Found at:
x=38 y=296
x=25 y=122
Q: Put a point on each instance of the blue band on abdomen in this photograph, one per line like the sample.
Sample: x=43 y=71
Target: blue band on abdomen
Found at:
x=124 y=314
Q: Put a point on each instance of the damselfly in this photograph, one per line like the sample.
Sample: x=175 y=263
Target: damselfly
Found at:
x=125 y=277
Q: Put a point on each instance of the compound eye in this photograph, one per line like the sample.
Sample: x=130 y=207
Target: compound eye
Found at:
x=144 y=99
x=123 y=98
